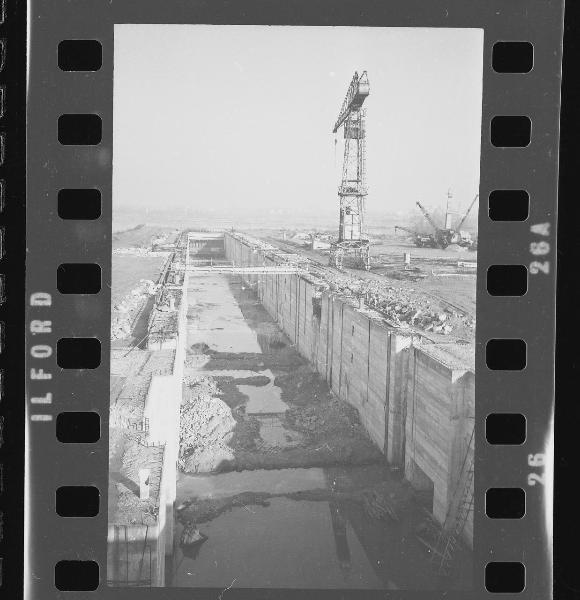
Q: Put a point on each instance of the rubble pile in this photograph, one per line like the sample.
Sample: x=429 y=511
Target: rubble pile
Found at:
x=402 y=306
x=206 y=427
x=125 y=313
x=330 y=415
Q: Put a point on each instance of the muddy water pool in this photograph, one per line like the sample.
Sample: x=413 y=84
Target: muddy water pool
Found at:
x=291 y=542
x=286 y=544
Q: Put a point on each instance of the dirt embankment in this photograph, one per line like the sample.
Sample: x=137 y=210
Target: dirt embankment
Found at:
x=206 y=427
x=140 y=236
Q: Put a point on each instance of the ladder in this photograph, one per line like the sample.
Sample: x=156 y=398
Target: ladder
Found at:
x=454 y=525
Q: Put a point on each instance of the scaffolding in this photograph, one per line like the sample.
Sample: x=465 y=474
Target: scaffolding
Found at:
x=458 y=513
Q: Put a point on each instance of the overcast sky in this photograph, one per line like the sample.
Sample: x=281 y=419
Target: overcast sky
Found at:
x=232 y=116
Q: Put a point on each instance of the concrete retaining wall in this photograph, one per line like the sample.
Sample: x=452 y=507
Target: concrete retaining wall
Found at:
x=440 y=407
x=162 y=408
x=414 y=406
x=136 y=553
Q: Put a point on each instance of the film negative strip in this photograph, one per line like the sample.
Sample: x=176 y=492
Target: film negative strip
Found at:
x=12 y=207
x=2 y=330
x=226 y=394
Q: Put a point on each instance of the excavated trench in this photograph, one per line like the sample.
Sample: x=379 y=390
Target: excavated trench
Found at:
x=278 y=474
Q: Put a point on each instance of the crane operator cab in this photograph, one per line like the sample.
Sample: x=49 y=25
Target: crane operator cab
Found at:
x=363 y=87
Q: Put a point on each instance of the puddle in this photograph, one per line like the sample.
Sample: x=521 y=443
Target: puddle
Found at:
x=227 y=339
x=264 y=399
x=298 y=543
x=275 y=435
x=289 y=544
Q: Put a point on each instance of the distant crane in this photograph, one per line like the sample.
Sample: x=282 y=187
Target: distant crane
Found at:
x=431 y=222
x=352 y=190
x=443 y=237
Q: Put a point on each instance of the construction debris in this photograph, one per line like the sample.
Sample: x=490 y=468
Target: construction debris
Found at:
x=402 y=306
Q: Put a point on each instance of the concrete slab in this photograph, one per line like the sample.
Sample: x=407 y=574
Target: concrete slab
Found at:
x=453 y=356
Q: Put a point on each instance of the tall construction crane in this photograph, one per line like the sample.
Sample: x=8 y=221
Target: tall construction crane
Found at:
x=352 y=241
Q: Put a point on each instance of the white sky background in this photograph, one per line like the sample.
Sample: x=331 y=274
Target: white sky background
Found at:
x=241 y=117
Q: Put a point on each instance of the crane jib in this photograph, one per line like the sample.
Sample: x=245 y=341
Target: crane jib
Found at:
x=356 y=94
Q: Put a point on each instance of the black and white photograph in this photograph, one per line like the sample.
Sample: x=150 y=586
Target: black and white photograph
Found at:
x=293 y=307
x=289 y=298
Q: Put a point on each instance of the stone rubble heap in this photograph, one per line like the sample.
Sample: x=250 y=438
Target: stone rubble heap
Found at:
x=402 y=306
x=206 y=427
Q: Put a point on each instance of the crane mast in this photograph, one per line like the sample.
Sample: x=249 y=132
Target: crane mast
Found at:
x=352 y=241
x=427 y=216
x=467 y=212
